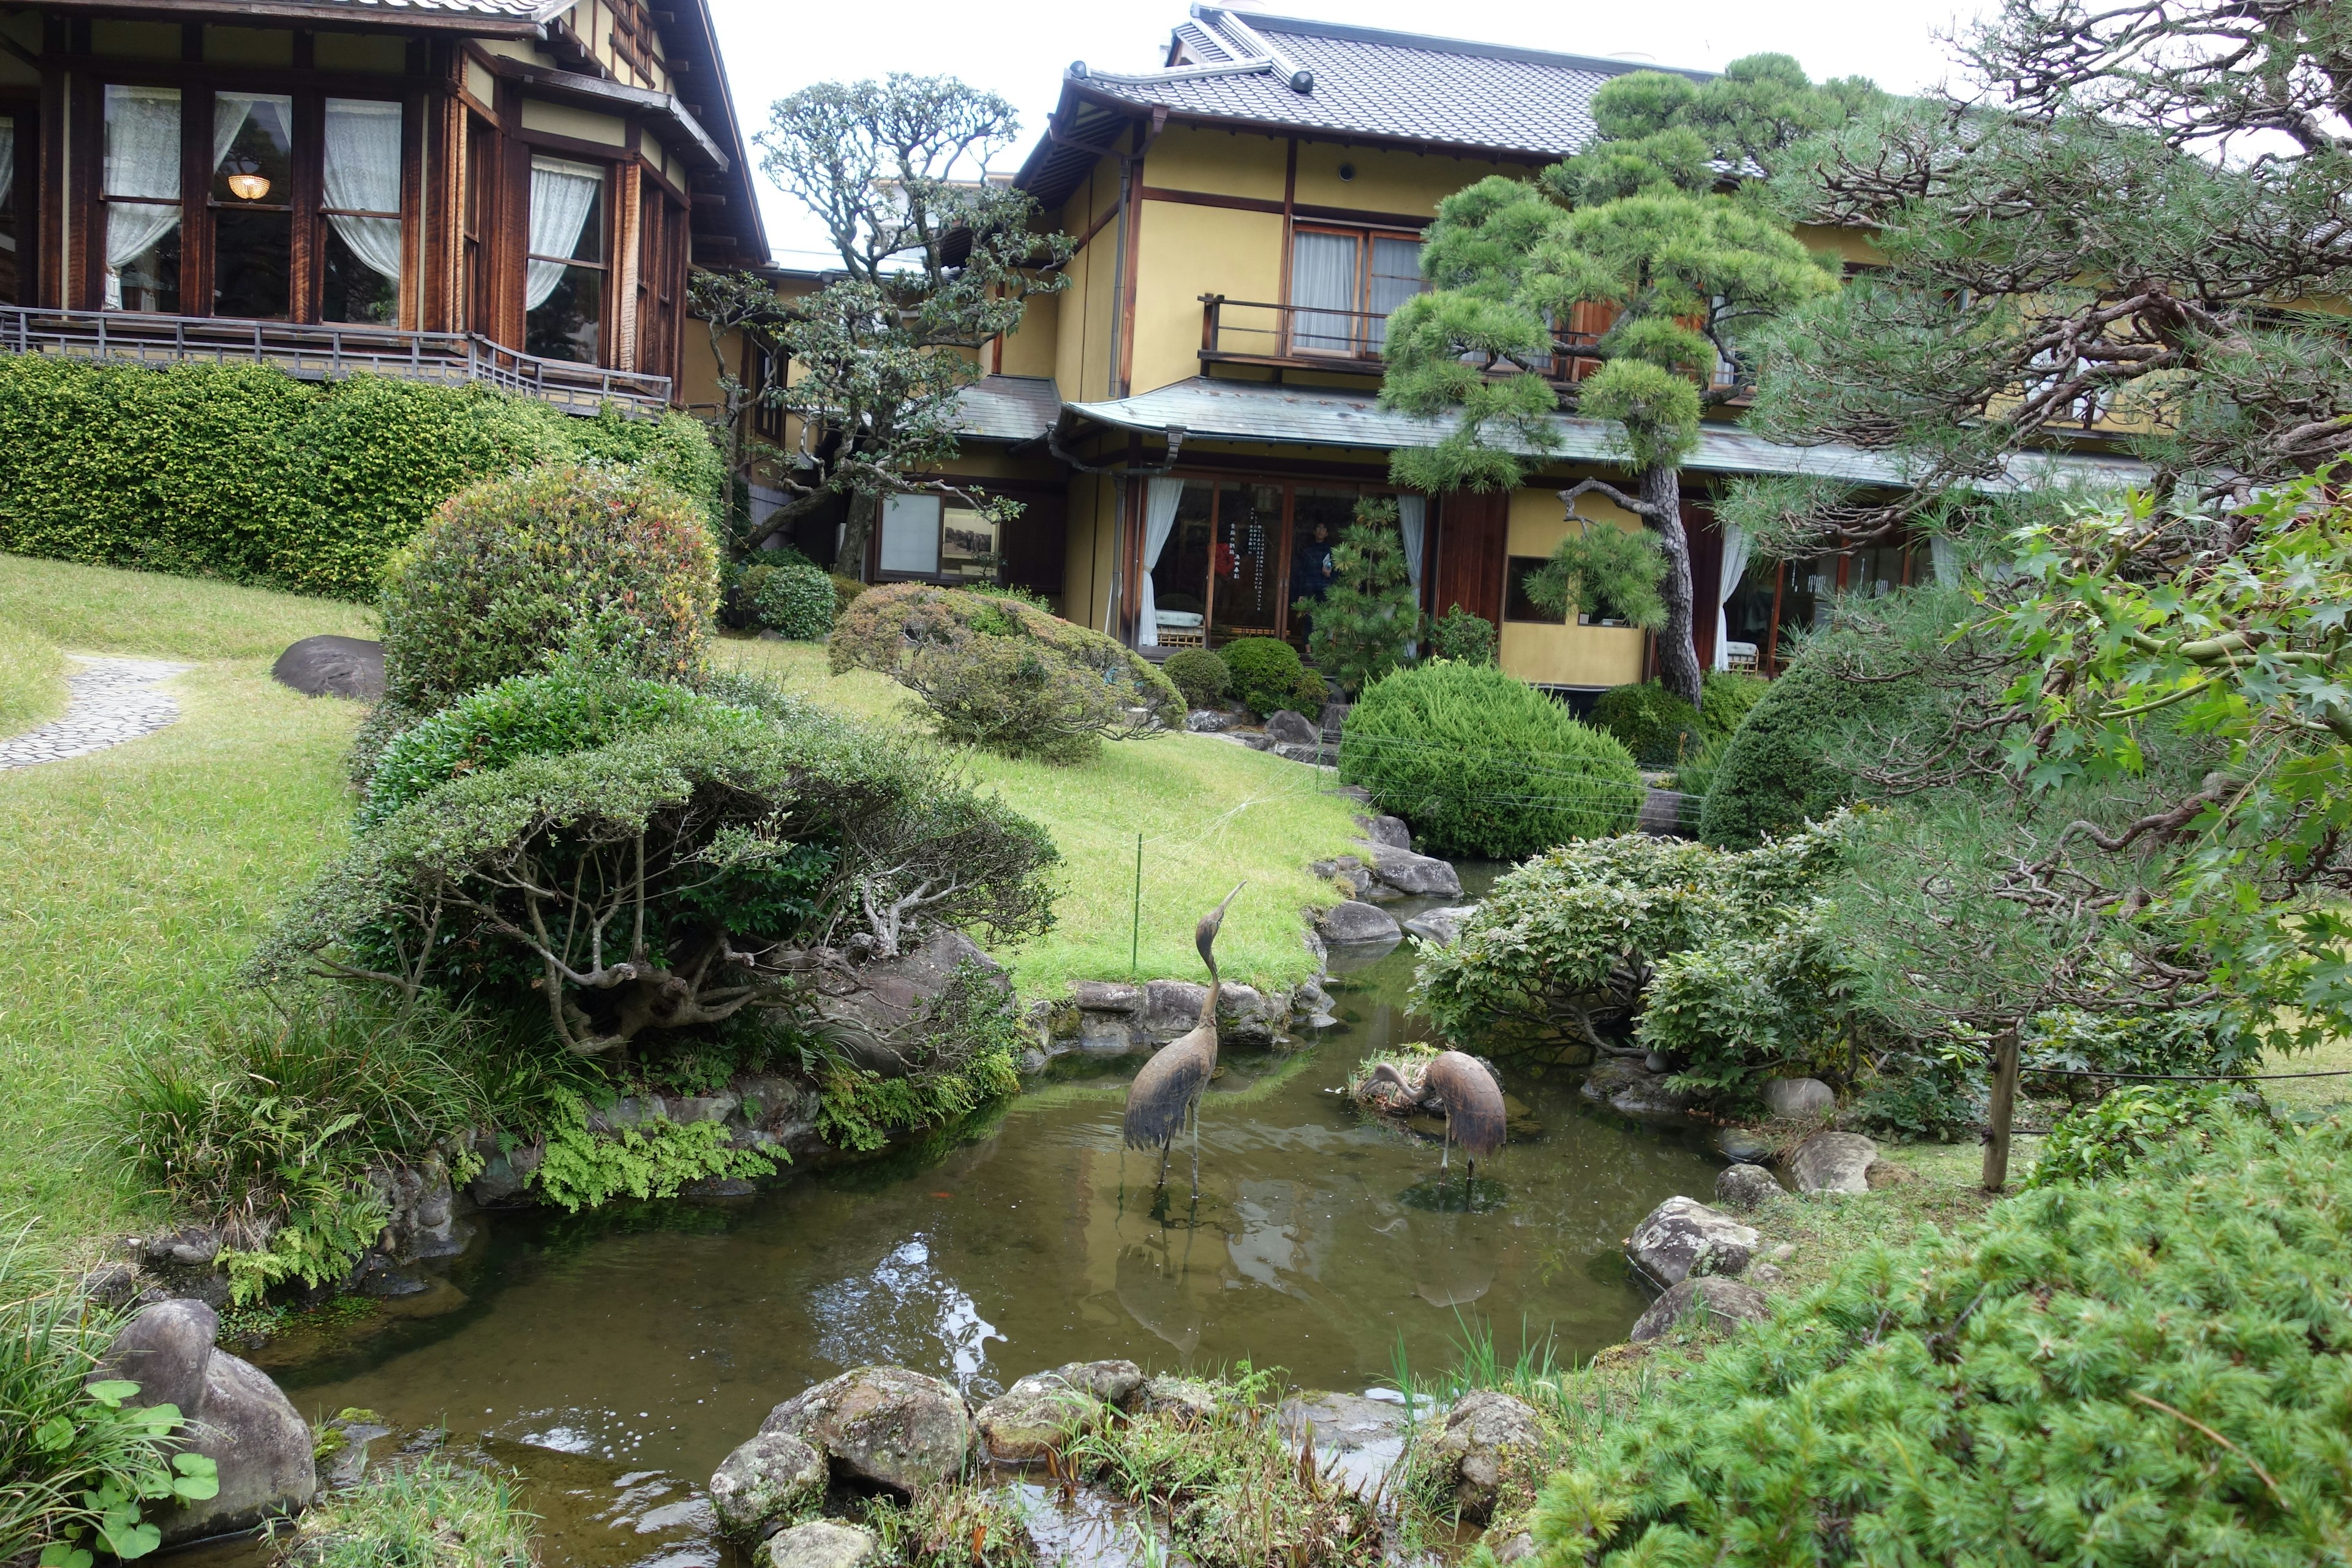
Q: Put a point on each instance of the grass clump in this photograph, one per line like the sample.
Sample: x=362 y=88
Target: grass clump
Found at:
x=1233 y=1491
x=32 y=680
x=432 y=1513
x=960 y=1524
x=1482 y=763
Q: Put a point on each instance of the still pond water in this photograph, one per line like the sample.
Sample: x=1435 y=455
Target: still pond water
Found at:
x=607 y=1353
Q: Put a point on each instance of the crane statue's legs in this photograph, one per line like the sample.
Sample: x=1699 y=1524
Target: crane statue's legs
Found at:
x=1196 y=1145
x=1165 y=1150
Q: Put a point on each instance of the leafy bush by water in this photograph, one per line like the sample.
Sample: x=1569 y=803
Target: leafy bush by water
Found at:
x=966 y=1054
x=595 y=565
x=654 y=1159
x=1199 y=674
x=1482 y=763
x=2149 y=1371
x=1659 y=727
x=244 y=473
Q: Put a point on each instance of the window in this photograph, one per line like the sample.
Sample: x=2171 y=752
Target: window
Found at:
x=931 y=536
x=473 y=200
x=252 y=203
x=12 y=281
x=1343 y=285
x=361 y=191
x=140 y=196
x=1516 y=603
x=564 y=286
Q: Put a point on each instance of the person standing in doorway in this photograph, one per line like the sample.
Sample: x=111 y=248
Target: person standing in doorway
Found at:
x=1310 y=574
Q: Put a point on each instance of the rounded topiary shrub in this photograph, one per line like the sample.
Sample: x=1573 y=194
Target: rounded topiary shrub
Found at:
x=1482 y=763
x=1659 y=727
x=1776 y=771
x=1266 y=673
x=1458 y=634
x=597 y=565
x=1200 y=675
x=1725 y=698
x=795 y=599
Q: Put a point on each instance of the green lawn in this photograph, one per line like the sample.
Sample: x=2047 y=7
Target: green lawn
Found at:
x=1211 y=814
x=32 y=678
x=134 y=881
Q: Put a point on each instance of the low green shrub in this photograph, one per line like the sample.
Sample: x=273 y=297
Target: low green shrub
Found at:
x=1462 y=637
x=2069 y=1039
x=657 y=1159
x=1725 y=698
x=966 y=1054
x=795 y=600
x=1659 y=727
x=1358 y=630
x=999 y=673
x=1566 y=943
x=589 y=563
x=426 y=1512
x=845 y=591
x=244 y=473
x=1739 y=1008
x=79 y=1458
x=2148 y=1370
x=1482 y=763
x=1199 y=674
x=1268 y=677
x=2094 y=1142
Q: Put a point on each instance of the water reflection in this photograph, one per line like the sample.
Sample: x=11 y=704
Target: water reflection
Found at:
x=663 y=1334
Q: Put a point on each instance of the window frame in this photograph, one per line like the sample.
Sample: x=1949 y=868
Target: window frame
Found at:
x=1363 y=342
x=1281 y=548
x=608 y=238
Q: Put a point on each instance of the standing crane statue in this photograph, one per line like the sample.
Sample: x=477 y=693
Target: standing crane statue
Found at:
x=1474 y=1105
x=1169 y=1088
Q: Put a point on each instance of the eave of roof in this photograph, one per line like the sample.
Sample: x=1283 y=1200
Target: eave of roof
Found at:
x=1008 y=408
x=1205 y=410
x=480 y=18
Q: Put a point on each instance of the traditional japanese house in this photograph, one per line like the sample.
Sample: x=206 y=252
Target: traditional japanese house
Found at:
x=1197 y=406
x=509 y=190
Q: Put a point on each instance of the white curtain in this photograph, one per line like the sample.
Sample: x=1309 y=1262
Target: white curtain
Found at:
x=1946 y=558
x=1160 y=499
x=363 y=171
x=1323 y=283
x=1735 y=566
x=8 y=159
x=562 y=195
x=143 y=159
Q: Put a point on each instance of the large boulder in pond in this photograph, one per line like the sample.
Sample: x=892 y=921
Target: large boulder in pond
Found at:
x=1039 y=1415
x=821 y=1544
x=1356 y=924
x=766 y=1483
x=1705 y=1299
x=235 y=1417
x=879 y=1018
x=1832 y=1162
x=1489 y=1443
x=1745 y=1187
x=1682 y=1236
x=881 y=1424
x=333 y=667
x=1415 y=876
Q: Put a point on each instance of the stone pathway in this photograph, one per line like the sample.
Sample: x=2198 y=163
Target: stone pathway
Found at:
x=114 y=700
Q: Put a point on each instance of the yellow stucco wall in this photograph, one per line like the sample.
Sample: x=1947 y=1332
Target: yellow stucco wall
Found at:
x=1227 y=162
x=1570 y=655
x=1188 y=252
x=1386 y=179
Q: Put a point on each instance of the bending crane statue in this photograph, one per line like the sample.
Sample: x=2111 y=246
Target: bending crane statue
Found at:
x=1474 y=1105
x=1169 y=1088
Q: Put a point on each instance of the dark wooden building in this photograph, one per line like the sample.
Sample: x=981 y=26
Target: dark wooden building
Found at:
x=511 y=191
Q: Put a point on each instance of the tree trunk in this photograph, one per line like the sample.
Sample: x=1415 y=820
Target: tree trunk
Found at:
x=1678 y=671
x=864 y=512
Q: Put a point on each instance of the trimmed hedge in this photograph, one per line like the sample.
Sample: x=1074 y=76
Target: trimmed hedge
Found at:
x=1482 y=763
x=794 y=598
x=242 y=472
x=591 y=563
x=1776 y=775
x=1659 y=727
x=1200 y=675
x=1268 y=677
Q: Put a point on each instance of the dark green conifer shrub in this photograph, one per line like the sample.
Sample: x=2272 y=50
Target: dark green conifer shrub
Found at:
x=1361 y=627
x=2149 y=1370
x=593 y=565
x=1482 y=763
x=1779 y=771
x=1200 y=675
x=1659 y=727
x=1266 y=675
x=1460 y=636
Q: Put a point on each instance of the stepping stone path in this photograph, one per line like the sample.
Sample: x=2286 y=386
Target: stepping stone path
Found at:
x=114 y=700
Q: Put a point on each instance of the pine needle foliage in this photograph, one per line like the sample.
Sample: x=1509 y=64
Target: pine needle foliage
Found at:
x=2148 y=1371
x=1367 y=618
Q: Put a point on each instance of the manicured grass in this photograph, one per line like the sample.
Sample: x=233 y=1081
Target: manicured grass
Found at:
x=32 y=678
x=133 y=883
x=1211 y=813
x=102 y=609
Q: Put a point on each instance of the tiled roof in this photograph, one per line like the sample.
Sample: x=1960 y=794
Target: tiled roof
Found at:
x=521 y=10
x=1329 y=417
x=502 y=17
x=1008 y=408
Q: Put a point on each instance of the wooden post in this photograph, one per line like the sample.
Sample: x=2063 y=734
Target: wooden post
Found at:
x=2003 y=1110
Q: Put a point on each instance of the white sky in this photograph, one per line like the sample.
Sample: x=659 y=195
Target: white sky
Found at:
x=773 y=48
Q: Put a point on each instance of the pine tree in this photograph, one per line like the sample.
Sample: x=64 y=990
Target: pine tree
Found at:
x=1367 y=618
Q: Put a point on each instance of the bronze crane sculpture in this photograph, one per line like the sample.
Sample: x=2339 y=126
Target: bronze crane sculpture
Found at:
x=1169 y=1088
x=1474 y=1104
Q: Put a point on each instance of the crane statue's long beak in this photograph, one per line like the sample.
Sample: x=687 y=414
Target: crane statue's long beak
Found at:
x=1205 y=936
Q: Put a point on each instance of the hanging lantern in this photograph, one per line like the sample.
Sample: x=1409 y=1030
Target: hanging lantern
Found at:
x=245 y=180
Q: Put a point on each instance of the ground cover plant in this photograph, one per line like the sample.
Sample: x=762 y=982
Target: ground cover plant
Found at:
x=1000 y=673
x=2147 y=1371
x=432 y=1511
x=1482 y=763
x=121 y=465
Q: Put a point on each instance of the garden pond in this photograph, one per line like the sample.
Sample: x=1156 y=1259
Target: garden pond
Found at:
x=614 y=1358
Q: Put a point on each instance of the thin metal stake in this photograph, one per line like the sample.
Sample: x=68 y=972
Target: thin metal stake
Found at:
x=1134 y=940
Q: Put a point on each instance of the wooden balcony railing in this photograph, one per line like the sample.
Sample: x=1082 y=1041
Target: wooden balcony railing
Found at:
x=326 y=352
x=1254 y=331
